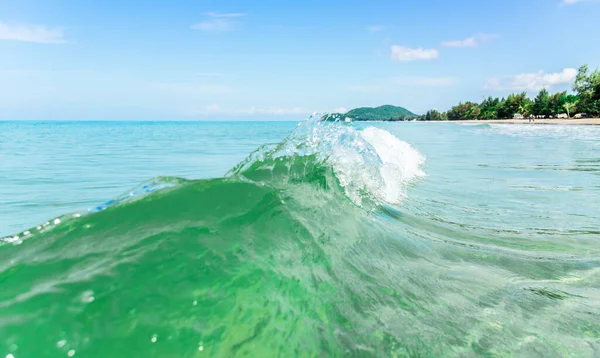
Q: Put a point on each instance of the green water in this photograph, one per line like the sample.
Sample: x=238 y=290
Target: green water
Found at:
x=339 y=241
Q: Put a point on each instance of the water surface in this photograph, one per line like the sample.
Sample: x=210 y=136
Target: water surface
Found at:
x=374 y=239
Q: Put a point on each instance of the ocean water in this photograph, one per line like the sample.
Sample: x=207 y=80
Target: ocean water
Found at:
x=314 y=239
x=49 y=169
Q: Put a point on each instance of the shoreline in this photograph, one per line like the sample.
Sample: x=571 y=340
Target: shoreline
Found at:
x=581 y=121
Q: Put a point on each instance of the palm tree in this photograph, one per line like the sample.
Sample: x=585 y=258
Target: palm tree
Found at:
x=524 y=109
x=569 y=106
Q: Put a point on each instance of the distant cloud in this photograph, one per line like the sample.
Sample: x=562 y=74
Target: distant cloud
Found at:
x=375 y=28
x=571 y=2
x=403 y=54
x=340 y=110
x=218 y=22
x=390 y=84
x=31 y=33
x=531 y=81
x=472 y=41
x=468 y=42
x=270 y=111
x=213 y=108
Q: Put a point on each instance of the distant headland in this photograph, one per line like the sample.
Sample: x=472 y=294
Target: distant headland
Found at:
x=382 y=113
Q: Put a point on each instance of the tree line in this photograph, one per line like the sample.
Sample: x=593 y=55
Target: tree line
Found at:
x=586 y=99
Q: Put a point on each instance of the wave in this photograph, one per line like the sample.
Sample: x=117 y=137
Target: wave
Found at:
x=301 y=249
x=370 y=164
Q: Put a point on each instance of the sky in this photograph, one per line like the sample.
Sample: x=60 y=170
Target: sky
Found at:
x=280 y=60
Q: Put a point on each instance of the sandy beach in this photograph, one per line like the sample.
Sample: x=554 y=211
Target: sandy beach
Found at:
x=582 y=121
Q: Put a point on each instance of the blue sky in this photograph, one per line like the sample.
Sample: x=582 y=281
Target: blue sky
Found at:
x=273 y=60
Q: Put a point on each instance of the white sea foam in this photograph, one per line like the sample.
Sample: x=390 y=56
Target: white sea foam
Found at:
x=400 y=162
x=371 y=164
x=375 y=163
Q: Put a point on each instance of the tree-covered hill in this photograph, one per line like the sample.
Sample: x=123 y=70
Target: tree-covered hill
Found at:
x=381 y=113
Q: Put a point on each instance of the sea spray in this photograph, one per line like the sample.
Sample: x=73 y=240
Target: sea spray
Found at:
x=371 y=164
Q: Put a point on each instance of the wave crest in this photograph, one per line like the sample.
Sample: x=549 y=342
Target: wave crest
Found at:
x=371 y=164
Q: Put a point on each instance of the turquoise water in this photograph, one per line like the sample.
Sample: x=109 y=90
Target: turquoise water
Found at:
x=52 y=168
x=379 y=239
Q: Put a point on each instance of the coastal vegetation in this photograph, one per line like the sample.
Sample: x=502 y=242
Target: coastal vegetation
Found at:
x=585 y=100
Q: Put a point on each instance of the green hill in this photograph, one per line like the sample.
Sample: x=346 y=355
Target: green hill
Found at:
x=382 y=113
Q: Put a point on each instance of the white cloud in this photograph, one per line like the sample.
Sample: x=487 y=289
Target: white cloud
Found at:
x=402 y=53
x=375 y=28
x=213 y=108
x=571 y=2
x=531 y=81
x=390 y=84
x=271 y=111
x=31 y=33
x=218 y=22
x=470 y=41
x=340 y=110
x=486 y=37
